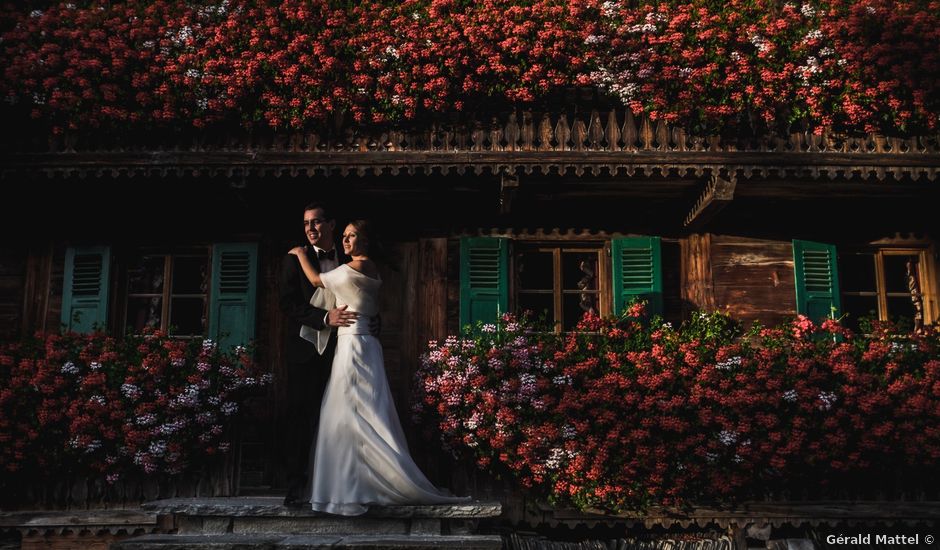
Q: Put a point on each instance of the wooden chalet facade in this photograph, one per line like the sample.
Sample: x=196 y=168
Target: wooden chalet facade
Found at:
x=553 y=212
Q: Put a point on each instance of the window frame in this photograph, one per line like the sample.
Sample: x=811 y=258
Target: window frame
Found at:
x=926 y=277
x=604 y=291
x=169 y=255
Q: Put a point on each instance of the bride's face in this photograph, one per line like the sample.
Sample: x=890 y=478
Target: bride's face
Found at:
x=353 y=244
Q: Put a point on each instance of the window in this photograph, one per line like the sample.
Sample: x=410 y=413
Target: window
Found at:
x=560 y=283
x=200 y=291
x=167 y=292
x=886 y=284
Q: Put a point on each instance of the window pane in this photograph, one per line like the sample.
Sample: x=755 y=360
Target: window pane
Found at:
x=857 y=307
x=896 y=272
x=145 y=275
x=143 y=313
x=857 y=272
x=579 y=270
x=186 y=316
x=575 y=306
x=901 y=311
x=540 y=307
x=535 y=270
x=190 y=275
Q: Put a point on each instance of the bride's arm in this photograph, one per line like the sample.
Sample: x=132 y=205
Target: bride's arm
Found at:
x=312 y=274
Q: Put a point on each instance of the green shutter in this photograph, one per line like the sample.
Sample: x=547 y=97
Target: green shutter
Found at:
x=234 y=293
x=817 y=280
x=484 y=279
x=85 y=288
x=638 y=273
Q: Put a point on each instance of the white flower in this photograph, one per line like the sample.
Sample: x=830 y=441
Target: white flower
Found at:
x=146 y=419
x=130 y=391
x=99 y=399
x=609 y=9
x=807 y=10
x=554 y=458
x=568 y=431
x=827 y=400
x=70 y=368
x=790 y=396
x=594 y=39
x=157 y=448
x=728 y=437
x=760 y=43
x=814 y=34
x=472 y=422
x=826 y=52
x=182 y=35
x=171 y=427
x=35 y=13
x=729 y=363
x=94 y=365
x=229 y=408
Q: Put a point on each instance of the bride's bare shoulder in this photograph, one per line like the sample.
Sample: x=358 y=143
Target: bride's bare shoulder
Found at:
x=366 y=267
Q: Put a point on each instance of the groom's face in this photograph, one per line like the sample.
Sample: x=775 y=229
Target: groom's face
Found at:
x=318 y=229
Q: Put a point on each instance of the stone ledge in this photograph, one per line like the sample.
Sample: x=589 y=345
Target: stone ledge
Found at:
x=273 y=506
x=308 y=542
x=50 y=519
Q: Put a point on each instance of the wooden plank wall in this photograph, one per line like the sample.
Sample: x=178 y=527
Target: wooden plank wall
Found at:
x=13 y=280
x=697 y=287
x=30 y=289
x=753 y=279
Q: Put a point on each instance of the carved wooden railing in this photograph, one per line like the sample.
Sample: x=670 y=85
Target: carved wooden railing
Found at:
x=611 y=142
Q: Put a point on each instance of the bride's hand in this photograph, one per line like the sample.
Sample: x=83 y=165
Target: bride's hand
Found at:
x=296 y=251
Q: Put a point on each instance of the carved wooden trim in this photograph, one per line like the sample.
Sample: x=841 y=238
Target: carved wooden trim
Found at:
x=593 y=131
x=718 y=194
x=698 y=164
x=613 y=142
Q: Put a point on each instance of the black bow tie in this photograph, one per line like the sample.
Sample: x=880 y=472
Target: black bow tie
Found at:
x=324 y=255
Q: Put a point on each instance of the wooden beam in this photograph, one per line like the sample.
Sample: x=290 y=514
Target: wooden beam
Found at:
x=718 y=194
x=508 y=186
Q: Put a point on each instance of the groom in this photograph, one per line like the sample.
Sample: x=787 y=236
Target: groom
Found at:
x=307 y=370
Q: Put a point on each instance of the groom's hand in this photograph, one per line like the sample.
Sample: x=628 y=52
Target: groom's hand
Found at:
x=339 y=317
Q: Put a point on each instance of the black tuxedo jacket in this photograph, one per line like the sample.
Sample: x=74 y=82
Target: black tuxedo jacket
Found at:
x=294 y=292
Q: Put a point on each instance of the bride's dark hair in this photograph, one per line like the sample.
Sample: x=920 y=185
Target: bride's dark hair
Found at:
x=364 y=231
x=373 y=246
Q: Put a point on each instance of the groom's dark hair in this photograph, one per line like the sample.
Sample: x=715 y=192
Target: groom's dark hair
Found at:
x=321 y=206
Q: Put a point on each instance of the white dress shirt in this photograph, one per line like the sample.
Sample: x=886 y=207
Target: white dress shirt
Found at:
x=326 y=264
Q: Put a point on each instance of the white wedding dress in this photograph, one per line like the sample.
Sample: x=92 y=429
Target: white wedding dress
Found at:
x=361 y=456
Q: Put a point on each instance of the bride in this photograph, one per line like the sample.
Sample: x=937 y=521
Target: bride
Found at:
x=361 y=457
